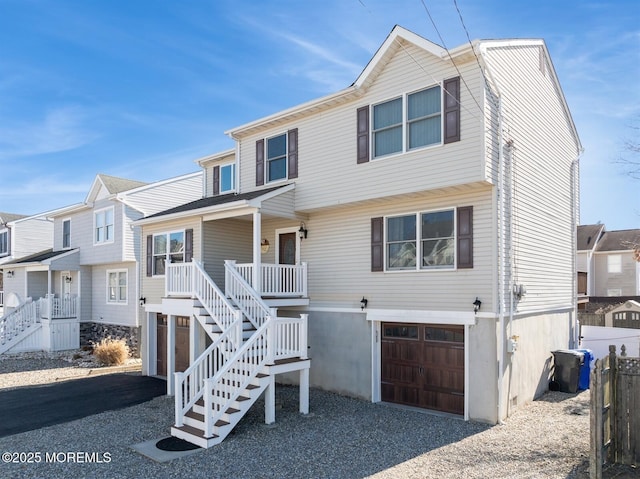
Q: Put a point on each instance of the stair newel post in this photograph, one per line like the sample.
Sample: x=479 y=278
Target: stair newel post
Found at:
x=208 y=407
x=303 y=336
x=271 y=336
x=179 y=399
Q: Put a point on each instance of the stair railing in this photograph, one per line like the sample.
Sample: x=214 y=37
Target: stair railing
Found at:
x=247 y=298
x=18 y=320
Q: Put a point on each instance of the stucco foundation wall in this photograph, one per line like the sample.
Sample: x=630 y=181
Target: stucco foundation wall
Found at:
x=528 y=370
x=340 y=352
x=483 y=371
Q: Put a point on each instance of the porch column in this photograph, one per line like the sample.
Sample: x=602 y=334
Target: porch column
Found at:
x=304 y=391
x=49 y=295
x=171 y=356
x=257 y=265
x=270 y=401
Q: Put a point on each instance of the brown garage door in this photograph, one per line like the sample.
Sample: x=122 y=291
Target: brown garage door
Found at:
x=423 y=366
x=182 y=344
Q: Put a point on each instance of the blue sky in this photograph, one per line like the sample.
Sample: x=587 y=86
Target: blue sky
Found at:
x=141 y=88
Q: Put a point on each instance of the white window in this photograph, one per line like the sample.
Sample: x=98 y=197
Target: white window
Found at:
x=4 y=243
x=103 y=223
x=420 y=126
x=167 y=248
x=227 y=178
x=276 y=158
x=614 y=292
x=66 y=234
x=117 y=286
x=614 y=263
x=421 y=241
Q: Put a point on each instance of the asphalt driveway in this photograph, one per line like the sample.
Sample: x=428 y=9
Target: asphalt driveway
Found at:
x=34 y=407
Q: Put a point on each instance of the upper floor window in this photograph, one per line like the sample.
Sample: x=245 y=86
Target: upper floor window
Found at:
x=167 y=248
x=4 y=243
x=66 y=234
x=227 y=178
x=103 y=221
x=421 y=241
x=426 y=117
x=117 y=286
x=614 y=263
x=277 y=158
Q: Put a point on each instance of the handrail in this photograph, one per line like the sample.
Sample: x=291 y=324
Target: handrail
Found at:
x=189 y=384
x=18 y=320
x=278 y=280
x=247 y=299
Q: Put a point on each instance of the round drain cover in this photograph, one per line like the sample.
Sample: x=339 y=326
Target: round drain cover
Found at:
x=175 y=444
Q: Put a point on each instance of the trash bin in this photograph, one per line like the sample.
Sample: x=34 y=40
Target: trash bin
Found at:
x=566 y=370
x=585 y=369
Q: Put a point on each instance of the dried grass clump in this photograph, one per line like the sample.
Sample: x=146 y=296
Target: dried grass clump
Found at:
x=111 y=352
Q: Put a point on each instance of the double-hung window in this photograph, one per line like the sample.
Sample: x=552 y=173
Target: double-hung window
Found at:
x=408 y=122
x=421 y=241
x=4 y=243
x=66 y=234
x=167 y=248
x=277 y=158
x=227 y=178
x=103 y=221
x=614 y=263
x=117 y=286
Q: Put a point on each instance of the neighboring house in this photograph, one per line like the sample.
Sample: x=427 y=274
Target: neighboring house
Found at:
x=21 y=236
x=88 y=278
x=608 y=263
x=424 y=218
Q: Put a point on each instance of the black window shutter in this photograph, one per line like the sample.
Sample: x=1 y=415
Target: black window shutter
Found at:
x=465 y=237
x=363 y=134
x=188 y=245
x=292 y=142
x=377 y=246
x=259 y=162
x=452 y=110
x=149 y=255
x=216 y=180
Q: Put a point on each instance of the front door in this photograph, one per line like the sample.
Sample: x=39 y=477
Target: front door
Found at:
x=423 y=366
x=287 y=248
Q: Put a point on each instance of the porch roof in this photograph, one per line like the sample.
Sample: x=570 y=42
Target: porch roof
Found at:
x=218 y=203
x=46 y=257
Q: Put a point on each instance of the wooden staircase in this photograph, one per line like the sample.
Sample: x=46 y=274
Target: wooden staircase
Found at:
x=221 y=385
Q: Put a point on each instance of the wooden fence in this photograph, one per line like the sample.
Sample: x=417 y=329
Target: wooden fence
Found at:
x=615 y=411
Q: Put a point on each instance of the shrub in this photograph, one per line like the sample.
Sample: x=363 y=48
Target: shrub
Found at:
x=111 y=352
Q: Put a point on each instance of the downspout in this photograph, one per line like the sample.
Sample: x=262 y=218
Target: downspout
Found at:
x=574 y=329
x=501 y=260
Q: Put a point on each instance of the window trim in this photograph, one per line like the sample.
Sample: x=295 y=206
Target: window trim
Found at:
x=405 y=123
x=166 y=234
x=67 y=245
x=95 y=227
x=267 y=160
x=118 y=301
x=5 y=252
x=419 y=254
x=233 y=178
x=618 y=264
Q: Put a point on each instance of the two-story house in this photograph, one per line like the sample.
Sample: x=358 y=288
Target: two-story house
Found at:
x=608 y=263
x=5 y=247
x=421 y=221
x=86 y=283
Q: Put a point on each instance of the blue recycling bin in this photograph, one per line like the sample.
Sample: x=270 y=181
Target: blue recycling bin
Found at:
x=585 y=368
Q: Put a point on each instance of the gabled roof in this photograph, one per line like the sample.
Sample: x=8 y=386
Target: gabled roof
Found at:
x=41 y=257
x=112 y=184
x=621 y=240
x=206 y=205
x=588 y=236
x=8 y=217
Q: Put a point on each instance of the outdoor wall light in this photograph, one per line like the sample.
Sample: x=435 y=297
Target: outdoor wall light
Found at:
x=363 y=303
x=476 y=305
x=9 y=274
x=264 y=245
x=143 y=300
x=302 y=232
x=67 y=279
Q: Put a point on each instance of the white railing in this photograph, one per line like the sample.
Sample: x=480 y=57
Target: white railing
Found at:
x=21 y=318
x=189 y=385
x=278 y=280
x=288 y=337
x=60 y=307
x=179 y=279
x=247 y=299
x=1 y=298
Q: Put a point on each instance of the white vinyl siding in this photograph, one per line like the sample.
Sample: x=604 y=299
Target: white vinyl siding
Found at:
x=327 y=142
x=109 y=312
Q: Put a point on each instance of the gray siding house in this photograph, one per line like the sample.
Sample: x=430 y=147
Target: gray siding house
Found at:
x=419 y=225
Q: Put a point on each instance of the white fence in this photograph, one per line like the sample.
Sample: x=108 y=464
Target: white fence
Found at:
x=598 y=339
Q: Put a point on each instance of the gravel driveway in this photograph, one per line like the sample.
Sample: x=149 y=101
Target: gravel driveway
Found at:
x=340 y=438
